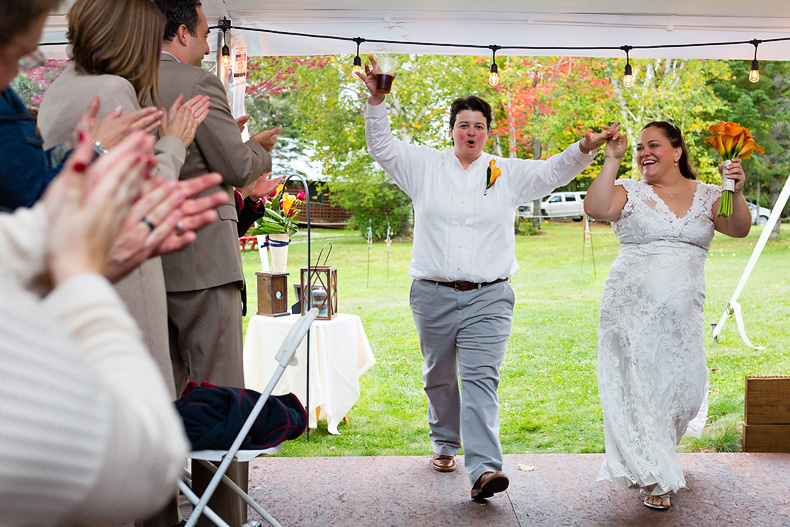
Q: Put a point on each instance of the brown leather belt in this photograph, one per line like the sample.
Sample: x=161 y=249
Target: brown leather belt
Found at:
x=468 y=286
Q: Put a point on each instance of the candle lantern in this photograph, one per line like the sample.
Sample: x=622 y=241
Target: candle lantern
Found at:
x=322 y=288
x=272 y=294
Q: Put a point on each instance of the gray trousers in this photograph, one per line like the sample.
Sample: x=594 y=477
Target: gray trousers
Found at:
x=463 y=334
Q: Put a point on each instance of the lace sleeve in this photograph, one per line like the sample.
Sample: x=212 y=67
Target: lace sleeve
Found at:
x=629 y=185
x=710 y=194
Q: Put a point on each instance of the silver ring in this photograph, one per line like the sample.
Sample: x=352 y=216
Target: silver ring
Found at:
x=180 y=227
x=148 y=223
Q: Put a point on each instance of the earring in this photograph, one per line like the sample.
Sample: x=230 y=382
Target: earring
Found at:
x=676 y=163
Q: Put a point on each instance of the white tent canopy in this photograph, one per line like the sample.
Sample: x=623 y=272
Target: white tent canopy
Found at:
x=551 y=24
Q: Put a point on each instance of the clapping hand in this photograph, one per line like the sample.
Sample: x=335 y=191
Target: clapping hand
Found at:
x=183 y=119
x=164 y=220
x=267 y=138
x=241 y=122
x=87 y=203
x=114 y=126
x=261 y=187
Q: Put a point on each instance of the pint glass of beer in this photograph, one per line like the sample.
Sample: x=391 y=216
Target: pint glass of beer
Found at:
x=387 y=65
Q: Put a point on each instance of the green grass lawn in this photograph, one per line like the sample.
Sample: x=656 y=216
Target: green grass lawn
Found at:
x=548 y=393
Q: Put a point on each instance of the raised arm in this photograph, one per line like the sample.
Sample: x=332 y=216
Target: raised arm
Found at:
x=605 y=200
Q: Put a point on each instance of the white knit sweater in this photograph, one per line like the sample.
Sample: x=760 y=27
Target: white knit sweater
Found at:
x=88 y=433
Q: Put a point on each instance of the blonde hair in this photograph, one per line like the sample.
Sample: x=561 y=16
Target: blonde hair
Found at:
x=121 y=37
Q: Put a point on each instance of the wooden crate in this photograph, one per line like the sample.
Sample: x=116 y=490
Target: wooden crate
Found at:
x=767 y=401
x=767 y=414
x=766 y=438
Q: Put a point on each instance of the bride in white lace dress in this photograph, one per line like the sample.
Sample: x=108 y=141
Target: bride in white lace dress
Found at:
x=652 y=374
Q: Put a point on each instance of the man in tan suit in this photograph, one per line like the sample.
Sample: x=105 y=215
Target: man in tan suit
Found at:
x=203 y=281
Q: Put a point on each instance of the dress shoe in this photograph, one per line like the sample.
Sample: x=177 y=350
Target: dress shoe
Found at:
x=489 y=484
x=443 y=463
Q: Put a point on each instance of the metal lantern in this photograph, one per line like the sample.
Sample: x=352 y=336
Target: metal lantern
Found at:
x=323 y=290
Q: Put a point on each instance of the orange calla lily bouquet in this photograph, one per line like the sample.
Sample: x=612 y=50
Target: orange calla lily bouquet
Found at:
x=492 y=173
x=730 y=141
x=280 y=210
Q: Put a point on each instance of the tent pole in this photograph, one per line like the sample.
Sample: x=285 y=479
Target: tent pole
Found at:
x=733 y=307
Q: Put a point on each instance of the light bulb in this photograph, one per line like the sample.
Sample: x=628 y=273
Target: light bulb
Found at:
x=357 y=67
x=225 y=55
x=493 y=77
x=754 y=74
x=628 y=76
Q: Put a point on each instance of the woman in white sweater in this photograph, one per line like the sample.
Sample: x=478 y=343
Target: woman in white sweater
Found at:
x=88 y=432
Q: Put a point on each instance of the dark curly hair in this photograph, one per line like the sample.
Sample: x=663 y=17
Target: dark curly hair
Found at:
x=475 y=104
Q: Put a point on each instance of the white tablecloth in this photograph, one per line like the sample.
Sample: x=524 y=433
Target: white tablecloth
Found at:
x=339 y=355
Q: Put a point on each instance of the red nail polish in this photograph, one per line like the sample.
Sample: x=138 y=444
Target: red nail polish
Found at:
x=79 y=166
x=81 y=136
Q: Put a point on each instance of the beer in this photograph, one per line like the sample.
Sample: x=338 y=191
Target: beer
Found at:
x=384 y=83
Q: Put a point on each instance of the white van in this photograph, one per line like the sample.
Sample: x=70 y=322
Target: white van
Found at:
x=563 y=205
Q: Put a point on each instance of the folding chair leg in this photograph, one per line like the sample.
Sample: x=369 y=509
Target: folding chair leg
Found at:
x=193 y=518
x=243 y=495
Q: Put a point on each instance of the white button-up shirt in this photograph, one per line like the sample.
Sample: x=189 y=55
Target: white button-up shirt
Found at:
x=462 y=231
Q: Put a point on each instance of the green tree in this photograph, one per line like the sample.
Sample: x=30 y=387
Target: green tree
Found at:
x=671 y=90
x=764 y=108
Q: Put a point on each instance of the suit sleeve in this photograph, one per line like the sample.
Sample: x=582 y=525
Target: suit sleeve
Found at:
x=220 y=142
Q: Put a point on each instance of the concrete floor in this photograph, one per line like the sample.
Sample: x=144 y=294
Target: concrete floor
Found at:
x=560 y=490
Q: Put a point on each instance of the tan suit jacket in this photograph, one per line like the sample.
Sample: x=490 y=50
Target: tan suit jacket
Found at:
x=214 y=259
x=143 y=290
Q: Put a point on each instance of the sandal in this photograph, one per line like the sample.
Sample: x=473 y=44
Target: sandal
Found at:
x=656 y=506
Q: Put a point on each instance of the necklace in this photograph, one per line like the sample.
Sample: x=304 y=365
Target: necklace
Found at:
x=668 y=194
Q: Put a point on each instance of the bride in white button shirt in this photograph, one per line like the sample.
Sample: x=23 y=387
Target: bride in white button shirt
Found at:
x=465 y=202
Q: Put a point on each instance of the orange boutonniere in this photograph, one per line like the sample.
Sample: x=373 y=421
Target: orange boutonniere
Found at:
x=492 y=173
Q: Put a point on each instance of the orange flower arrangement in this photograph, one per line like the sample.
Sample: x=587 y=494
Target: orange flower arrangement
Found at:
x=730 y=141
x=280 y=210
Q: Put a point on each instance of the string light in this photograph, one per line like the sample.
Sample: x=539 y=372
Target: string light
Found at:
x=754 y=73
x=224 y=25
x=493 y=76
x=357 y=61
x=628 y=74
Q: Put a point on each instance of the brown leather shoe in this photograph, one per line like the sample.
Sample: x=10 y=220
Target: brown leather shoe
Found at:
x=443 y=463
x=489 y=484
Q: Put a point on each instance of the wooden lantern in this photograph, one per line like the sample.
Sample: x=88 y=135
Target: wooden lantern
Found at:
x=272 y=294
x=323 y=287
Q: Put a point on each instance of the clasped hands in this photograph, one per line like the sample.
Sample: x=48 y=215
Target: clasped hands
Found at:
x=97 y=210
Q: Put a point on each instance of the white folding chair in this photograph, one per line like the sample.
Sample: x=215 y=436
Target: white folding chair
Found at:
x=284 y=356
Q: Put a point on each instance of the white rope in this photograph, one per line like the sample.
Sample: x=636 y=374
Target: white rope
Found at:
x=733 y=308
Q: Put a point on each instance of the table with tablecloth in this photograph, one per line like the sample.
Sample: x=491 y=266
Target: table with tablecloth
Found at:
x=339 y=355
